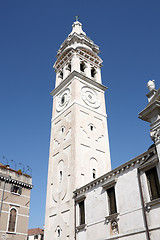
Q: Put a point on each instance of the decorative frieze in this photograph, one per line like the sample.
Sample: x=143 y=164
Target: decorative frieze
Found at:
x=19 y=183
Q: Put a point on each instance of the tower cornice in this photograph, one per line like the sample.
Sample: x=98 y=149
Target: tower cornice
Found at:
x=76 y=38
x=84 y=53
x=81 y=77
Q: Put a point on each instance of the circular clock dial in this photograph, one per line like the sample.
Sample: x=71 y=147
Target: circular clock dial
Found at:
x=90 y=97
x=63 y=99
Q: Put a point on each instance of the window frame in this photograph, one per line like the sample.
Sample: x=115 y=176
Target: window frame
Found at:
x=149 y=164
x=19 y=189
x=81 y=212
x=112 y=205
x=15 y=226
x=81 y=225
x=107 y=186
x=155 y=180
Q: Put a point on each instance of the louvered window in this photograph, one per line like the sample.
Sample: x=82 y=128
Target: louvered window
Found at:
x=12 y=220
x=153 y=183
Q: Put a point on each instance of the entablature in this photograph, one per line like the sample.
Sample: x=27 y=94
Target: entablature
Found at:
x=84 y=55
x=80 y=77
x=78 y=38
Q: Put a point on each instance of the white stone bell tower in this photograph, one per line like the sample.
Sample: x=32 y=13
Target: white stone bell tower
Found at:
x=79 y=145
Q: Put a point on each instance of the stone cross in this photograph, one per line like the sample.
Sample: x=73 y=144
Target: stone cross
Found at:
x=77 y=18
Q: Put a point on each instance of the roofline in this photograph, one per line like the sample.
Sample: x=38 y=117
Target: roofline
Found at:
x=12 y=170
x=150 y=108
x=102 y=179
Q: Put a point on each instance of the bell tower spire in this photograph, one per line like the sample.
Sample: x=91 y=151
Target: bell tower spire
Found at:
x=79 y=144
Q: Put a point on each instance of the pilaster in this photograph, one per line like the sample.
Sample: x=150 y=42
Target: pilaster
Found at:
x=75 y=63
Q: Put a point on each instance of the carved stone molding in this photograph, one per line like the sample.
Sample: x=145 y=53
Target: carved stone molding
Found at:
x=155 y=135
x=63 y=100
x=113 y=220
x=90 y=97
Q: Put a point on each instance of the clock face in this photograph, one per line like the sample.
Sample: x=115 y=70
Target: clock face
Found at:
x=90 y=97
x=63 y=100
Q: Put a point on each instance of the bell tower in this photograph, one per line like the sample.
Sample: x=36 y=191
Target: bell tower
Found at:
x=79 y=144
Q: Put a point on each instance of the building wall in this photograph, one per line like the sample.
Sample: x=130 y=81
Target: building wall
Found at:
x=130 y=217
x=33 y=238
x=9 y=200
x=75 y=150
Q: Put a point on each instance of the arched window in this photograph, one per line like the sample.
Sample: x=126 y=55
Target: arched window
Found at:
x=60 y=176
x=69 y=67
x=59 y=231
x=91 y=127
x=63 y=99
x=93 y=72
x=94 y=173
x=82 y=66
x=12 y=220
x=61 y=74
x=63 y=129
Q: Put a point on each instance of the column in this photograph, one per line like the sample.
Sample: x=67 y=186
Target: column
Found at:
x=66 y=71
x=75 y=63
x=87 y=70
x=98 y=75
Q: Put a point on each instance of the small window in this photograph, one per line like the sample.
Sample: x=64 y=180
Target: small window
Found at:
x=59 y=230
x=91 y=127
x=61 y=75
x=94 y=173
x=59 y=233
x=60 y=176
x=93 y=72
x=69 y=67
x=112 y=201
x=81 y=213
x=63 y=129
x=63 y=99
x=82 y=66
x=153 y=183
x=12 y=220
x=16 y=189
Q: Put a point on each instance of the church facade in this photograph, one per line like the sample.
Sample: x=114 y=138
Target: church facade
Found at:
x=85 y=198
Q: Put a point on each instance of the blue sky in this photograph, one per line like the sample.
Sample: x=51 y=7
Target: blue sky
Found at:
x=128 y=33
